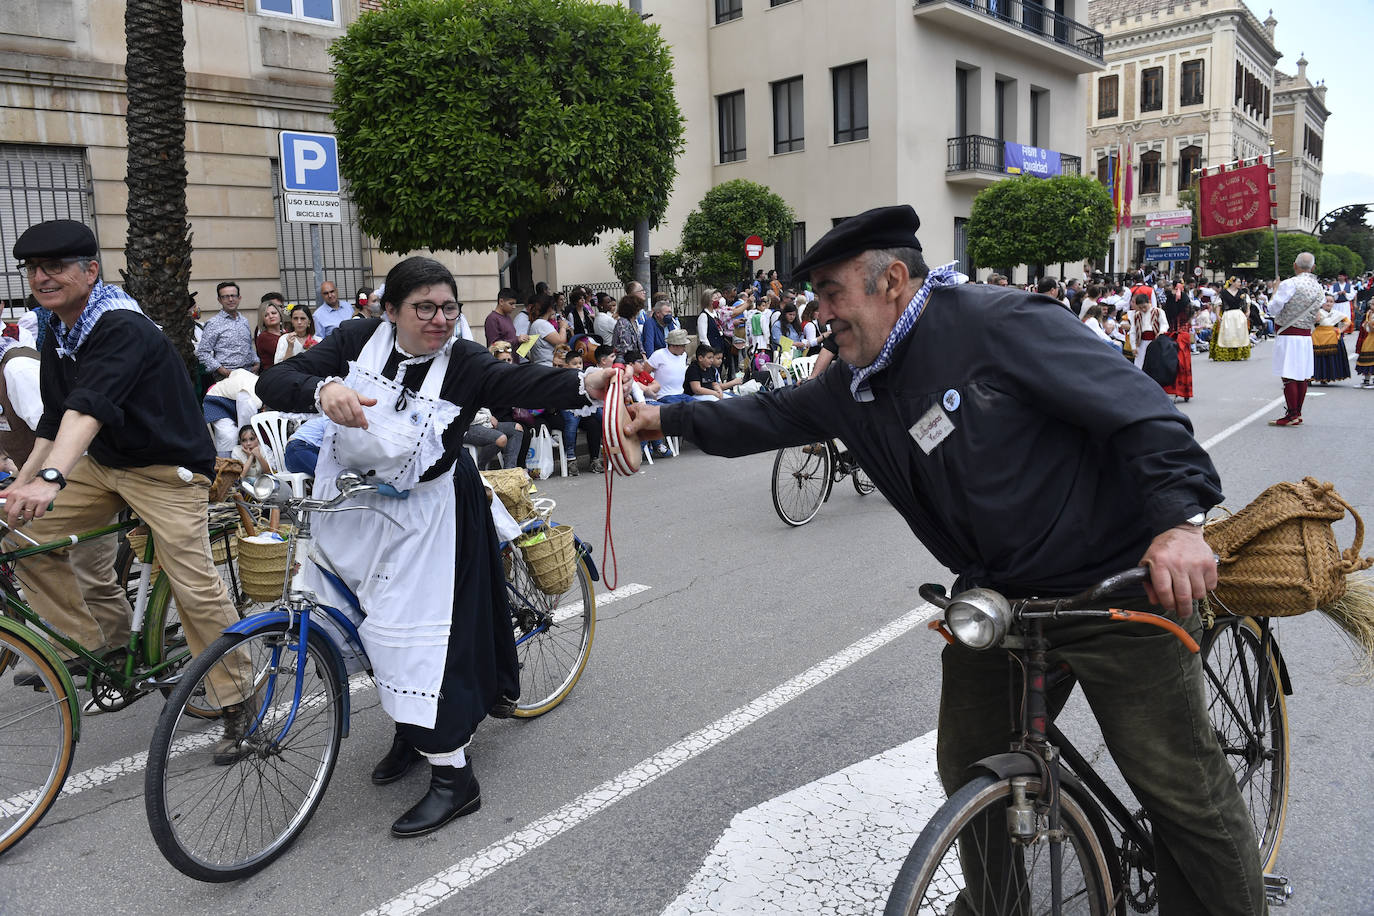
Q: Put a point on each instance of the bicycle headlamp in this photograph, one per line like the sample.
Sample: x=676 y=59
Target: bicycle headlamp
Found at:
x=265 y=487
x=978 y=618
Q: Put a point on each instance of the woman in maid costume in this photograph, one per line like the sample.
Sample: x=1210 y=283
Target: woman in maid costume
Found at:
x=401 y=390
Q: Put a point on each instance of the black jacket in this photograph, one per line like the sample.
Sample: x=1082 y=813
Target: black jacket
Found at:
x=1063 y=462
x=128 y=376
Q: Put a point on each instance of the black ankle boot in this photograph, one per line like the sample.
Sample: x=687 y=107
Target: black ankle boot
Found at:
x=396 y=763
x=453 y=792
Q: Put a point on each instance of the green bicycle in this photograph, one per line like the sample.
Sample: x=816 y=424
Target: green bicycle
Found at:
x=40 y=711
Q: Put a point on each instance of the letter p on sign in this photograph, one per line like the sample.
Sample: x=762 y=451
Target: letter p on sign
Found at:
x=309 y=162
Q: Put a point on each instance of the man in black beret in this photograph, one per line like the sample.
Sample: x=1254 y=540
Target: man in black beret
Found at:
x=121 y=426
x=939 y=381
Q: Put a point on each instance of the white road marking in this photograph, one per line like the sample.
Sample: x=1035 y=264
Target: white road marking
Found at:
x=832 y=846
x=1234 y=428
x=468 y=871
x=136 y=763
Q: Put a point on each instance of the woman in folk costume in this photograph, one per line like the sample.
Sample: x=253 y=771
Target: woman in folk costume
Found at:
x=1364 y=347
x=1147 y=323
x=401 y=391
x=1330 y=359
x=1231 y=337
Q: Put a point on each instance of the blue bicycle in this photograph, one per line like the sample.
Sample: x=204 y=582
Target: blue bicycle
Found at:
x=221 y=817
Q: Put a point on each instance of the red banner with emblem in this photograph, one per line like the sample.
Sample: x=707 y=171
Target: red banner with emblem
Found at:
x=1236 y=201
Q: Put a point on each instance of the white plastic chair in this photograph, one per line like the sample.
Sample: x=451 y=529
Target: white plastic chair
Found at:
x=559 y=451
x=273 y=429
x=802 y=367
x=778 y=373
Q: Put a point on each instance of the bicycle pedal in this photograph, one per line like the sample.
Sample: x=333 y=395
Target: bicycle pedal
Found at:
x=1277 y=889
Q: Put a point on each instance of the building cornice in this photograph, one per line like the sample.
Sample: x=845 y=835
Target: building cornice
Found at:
x=1148 y=33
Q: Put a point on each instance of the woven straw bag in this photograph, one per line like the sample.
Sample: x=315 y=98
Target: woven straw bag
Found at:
x=1279 y=556
x=227 y=473
x=512 y=486
x=551 y=554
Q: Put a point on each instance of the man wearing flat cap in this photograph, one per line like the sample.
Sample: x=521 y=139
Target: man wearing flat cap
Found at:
x=1000 y=429
x=121 y=426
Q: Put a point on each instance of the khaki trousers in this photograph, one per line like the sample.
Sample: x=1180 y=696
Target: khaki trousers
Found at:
x=84 y=600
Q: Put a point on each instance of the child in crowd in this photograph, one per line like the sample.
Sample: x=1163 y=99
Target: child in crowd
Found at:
x=249 y=451
x=587 y=418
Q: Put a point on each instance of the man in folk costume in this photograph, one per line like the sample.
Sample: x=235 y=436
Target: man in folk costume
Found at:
x=1295 y=307
x=923 y=392
x=1147 y=322
x=401 y=391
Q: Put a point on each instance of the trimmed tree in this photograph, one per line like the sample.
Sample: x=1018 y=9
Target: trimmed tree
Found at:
x=468 y=124
x=714 y=233
x=158 y=250
x=1028 y=220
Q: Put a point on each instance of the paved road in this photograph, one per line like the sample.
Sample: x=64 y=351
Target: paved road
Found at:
x=751 y=736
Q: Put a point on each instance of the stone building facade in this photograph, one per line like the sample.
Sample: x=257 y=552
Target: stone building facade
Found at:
x=1300 y=115
x=1189 y=84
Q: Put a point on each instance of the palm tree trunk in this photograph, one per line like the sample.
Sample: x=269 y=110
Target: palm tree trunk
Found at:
x=158 y=251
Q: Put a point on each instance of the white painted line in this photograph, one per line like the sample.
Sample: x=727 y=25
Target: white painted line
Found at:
x=832 y=846
x=603 y=599
x=472 y=869
x=1238 y=426
x=136 y=763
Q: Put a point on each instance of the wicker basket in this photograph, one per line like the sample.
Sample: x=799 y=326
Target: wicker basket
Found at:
x=1279 y=556
x=512 y=487
x=551 y=554
x=262 y=568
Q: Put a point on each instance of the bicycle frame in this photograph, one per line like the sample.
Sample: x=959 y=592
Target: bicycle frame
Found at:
x=137 y=672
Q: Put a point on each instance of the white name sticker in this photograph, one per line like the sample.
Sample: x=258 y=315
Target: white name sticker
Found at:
x=931 y=429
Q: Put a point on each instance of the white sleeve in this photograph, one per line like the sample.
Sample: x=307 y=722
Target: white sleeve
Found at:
x=21 y=383
x=702 y=325
x=1283 y=294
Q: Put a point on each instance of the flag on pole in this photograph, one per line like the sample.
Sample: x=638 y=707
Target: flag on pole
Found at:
x=1127 y=181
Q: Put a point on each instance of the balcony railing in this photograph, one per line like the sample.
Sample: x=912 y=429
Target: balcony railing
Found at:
x=973 y=153
x=1032 y=16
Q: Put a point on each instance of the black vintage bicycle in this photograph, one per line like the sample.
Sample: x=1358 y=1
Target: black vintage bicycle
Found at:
x=805 y=475
x=1038 y=830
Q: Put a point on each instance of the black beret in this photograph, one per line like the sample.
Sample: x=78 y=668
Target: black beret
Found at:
x=57 y=238
x=872 y=230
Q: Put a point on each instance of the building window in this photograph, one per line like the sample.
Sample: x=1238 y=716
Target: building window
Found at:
x=1189 y=161
x=1104 y=170
x=729 y=9
x=1190 y=92
x=730 y=108
x=787 y=252
x=1106 y=96
x=1149 y=172
x=851 y=102
x=345 y=257
x=773 y=3
x=961 y=244
x=1312 y=143
x=999 y=109
x=1039 y=117
x=324 y=11
x=38 y=183
x=789 y=134
x=1152 y=89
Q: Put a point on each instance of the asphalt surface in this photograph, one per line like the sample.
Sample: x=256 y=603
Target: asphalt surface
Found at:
x=611 y=803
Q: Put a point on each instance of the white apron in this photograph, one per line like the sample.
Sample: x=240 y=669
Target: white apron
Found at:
x=402 y=575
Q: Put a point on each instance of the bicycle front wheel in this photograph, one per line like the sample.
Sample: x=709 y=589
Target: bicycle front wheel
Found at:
x=965 y=861
x=801 y=480
x=1246 y=705
x=218 y=812
x=553 y=634
x=37 y=735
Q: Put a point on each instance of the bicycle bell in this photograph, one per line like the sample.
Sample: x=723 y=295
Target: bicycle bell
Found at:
x=978 y=618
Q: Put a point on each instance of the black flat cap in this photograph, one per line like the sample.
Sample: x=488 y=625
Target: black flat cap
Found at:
x=881 y=227
x=57 y=238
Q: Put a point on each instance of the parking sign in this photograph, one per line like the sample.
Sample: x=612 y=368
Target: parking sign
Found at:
x=309 y=162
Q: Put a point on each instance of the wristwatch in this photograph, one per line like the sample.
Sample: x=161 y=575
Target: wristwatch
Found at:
x=52 y=475
x=1196 y=520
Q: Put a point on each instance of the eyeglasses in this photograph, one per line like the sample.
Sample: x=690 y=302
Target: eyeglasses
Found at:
x=51 y=268
x=230 y=296
x=425 y=310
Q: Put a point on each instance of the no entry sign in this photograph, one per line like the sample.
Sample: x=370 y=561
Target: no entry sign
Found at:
x=753 y=248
